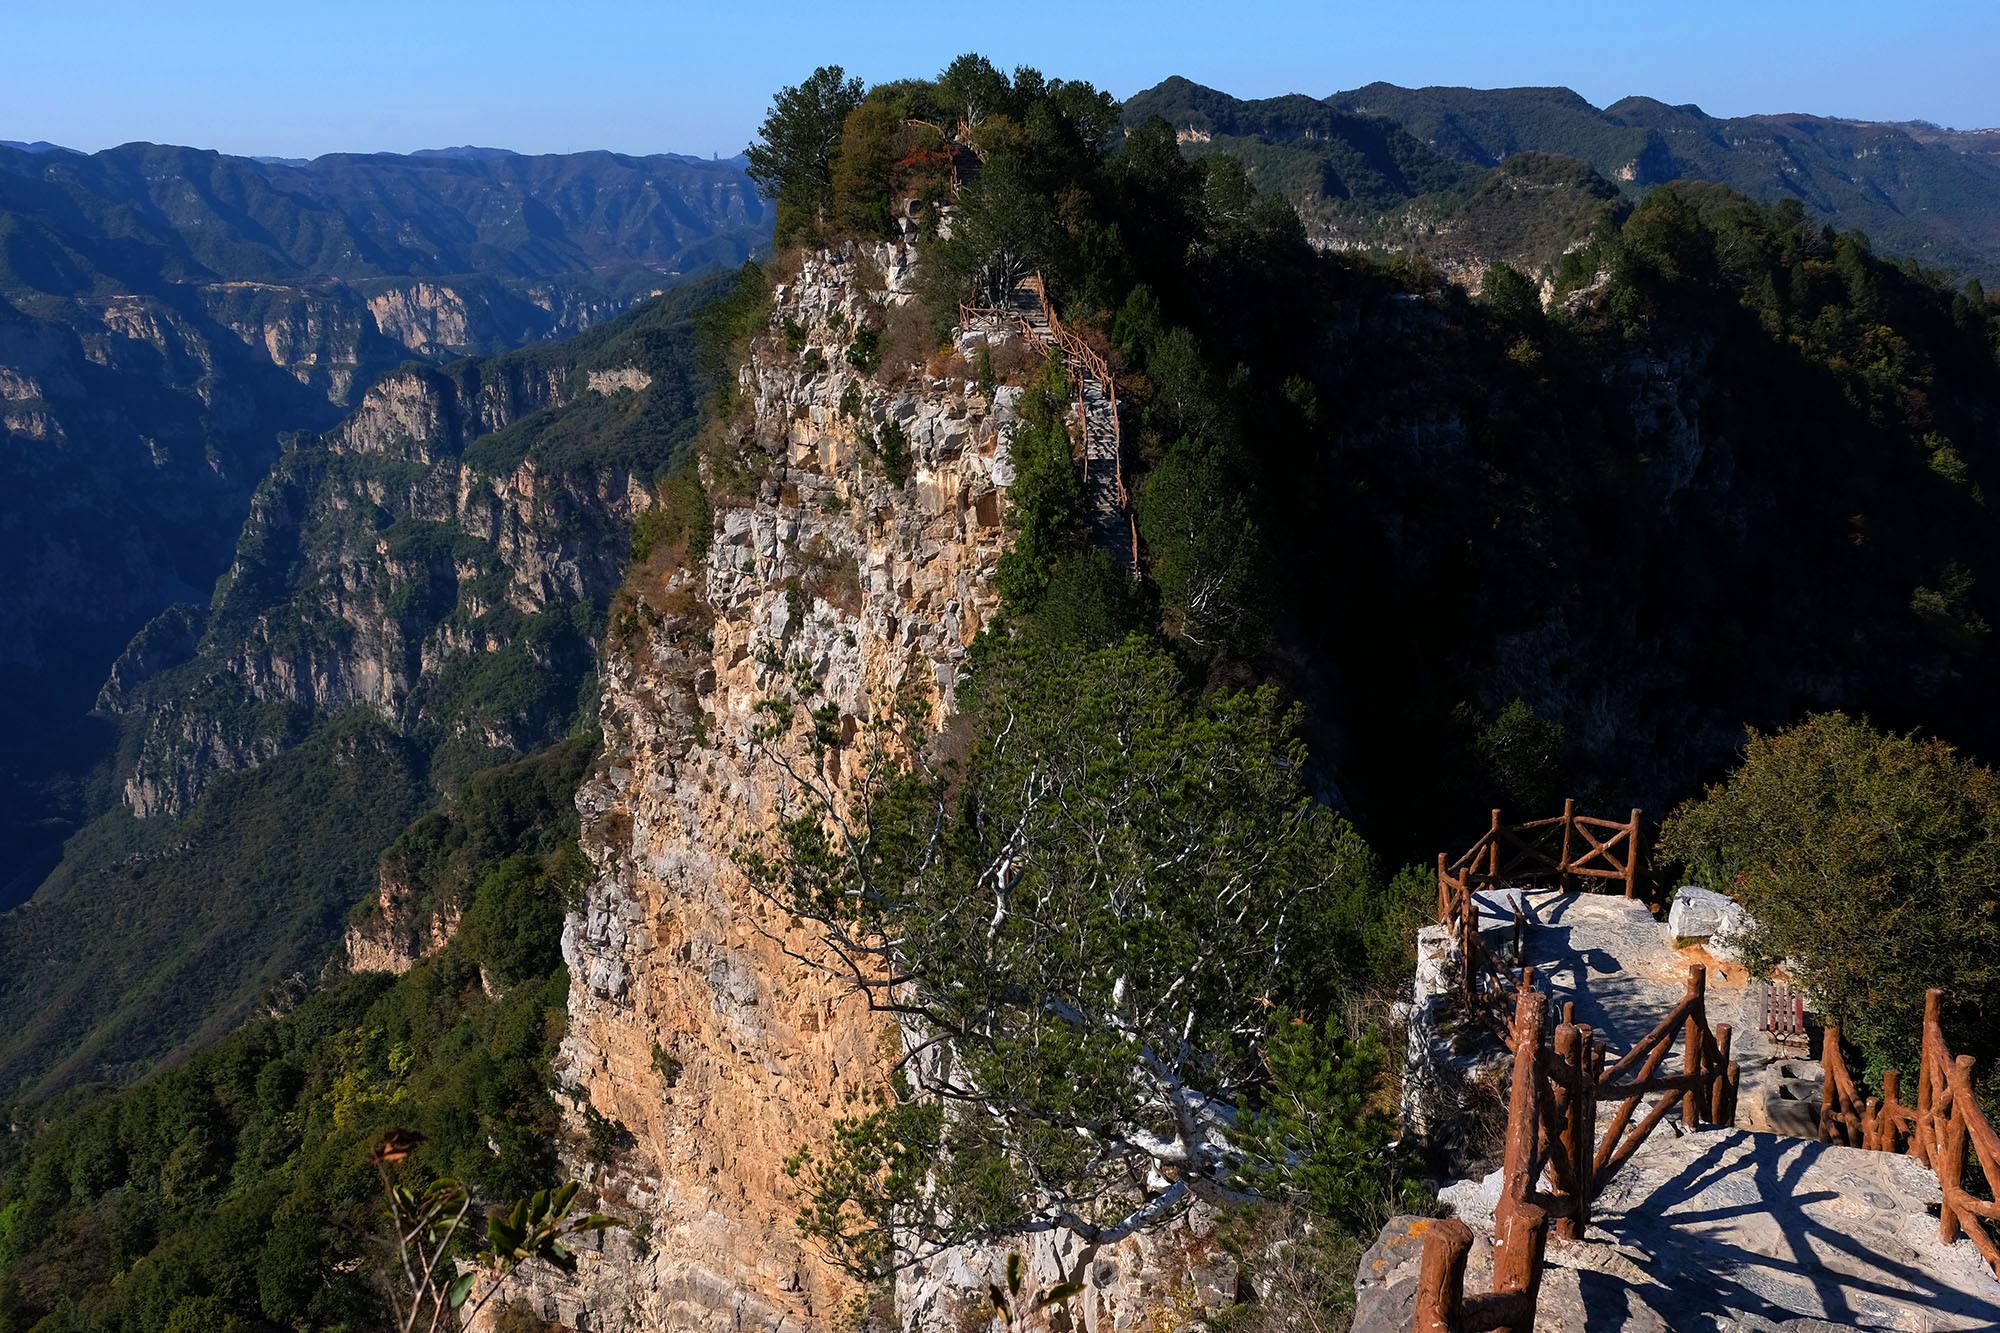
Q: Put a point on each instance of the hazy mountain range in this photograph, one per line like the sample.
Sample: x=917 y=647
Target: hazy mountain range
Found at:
x=1916 y=189
x=168 y=315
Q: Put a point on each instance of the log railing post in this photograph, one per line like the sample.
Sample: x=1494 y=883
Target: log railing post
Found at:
x=1829 y=1092
x=1885 y=1128
x=1470 y=982
x=1574 y=1136
x=1632 y=856
x=1569 y=834
x=1925 y=1130
x=1719 y=1110
x=1520 y=1240
x=1493 y=854
x=1524 y=1122
x=1444 y=881
x=1441 y=1278
x=1950 y=1161
x=1692 y=1033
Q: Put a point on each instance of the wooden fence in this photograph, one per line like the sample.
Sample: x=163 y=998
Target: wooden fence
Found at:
x=1563 y=851
x=1556 y=1163
x=1084 y=362
x=1937 y=1131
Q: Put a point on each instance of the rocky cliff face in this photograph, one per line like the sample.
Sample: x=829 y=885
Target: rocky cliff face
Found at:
x=138 y=426
x=375 y=562
x=168 y=316
x=695 y=1028
x=440 y=559
x=399 y=930
x=690 y=1024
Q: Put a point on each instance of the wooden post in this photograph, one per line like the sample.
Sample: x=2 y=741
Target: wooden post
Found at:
x=1493 y=854
x=1574 y=1134
x=1444 y=902
x=1468 y=951
x=1569 y=833
x=1632 y=857
x=1441 y=1278
x=1950 y=1163
x=1892 y=1088
x=1520 y=1240
x=1924 y=1135
x=1691 y=1034
x=1829 y=1060
x=1590 y=1062
x=1718 y=1079
x=1524 y=1125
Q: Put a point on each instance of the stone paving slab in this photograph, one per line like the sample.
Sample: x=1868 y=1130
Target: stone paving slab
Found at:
x=1732 y=1230
x=1618 y=964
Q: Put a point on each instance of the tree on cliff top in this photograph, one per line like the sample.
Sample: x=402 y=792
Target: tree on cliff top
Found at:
x=1869 y=861
x=792 y=160
x=1084 y=934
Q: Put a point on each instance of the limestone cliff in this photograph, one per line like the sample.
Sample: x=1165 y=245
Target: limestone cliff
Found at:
x=399 y=928
x=438 y=559
x=695 y=1027
x=690 y=1026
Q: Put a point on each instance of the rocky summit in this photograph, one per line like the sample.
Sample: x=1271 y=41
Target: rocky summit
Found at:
x=1011 y=710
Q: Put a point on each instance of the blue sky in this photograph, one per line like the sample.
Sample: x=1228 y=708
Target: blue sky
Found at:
x=309 y=77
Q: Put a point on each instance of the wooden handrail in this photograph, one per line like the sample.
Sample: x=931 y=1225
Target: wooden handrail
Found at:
x=1946 y=1129
x=1553 y=1167
x=1579 y=847
x=1078 y=353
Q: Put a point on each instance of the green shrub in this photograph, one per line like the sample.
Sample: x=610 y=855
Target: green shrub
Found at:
x=1870 y=861
x=892 y=450
x=865 y=352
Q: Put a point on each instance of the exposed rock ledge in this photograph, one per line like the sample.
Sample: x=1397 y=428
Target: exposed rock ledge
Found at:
x=691 y=1025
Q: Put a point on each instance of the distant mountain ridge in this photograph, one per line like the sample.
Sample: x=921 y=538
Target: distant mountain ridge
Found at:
x=141 y=212
x=169 y=314
x=1920 y=190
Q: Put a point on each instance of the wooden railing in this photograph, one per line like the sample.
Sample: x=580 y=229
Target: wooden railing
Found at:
x=1085 y=362
x=1556 y=1164
x=1561 y=850
x=1938 y=1130
x=1520 y=1223
x=1486 y=983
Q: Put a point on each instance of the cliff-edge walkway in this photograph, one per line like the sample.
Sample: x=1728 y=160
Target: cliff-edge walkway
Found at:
x=1096 y=426
x=1703 y=1222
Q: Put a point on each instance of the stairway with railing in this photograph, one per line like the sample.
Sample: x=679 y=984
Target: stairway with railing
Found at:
x=1579 y=1114
x=1096 y=428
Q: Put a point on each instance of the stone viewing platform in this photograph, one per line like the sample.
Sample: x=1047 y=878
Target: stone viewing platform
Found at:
x=1722 y=1210
x=1727 y=1230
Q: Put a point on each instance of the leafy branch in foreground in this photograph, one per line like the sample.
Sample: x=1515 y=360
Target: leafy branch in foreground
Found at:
x=429 y=1220
x=1081 y=935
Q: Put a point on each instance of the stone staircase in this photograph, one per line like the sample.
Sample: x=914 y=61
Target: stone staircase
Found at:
x=1097 y=426
x=1746 y=1230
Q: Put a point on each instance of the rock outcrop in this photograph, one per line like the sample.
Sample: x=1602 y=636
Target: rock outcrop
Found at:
x=399 y=930
x=827 y=568
x=410 y=563
x=698 y=1027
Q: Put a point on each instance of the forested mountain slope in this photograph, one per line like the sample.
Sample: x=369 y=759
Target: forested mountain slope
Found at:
x=1405 y=554
x=1916 y=190
x=415 y=596
x=167 y=314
